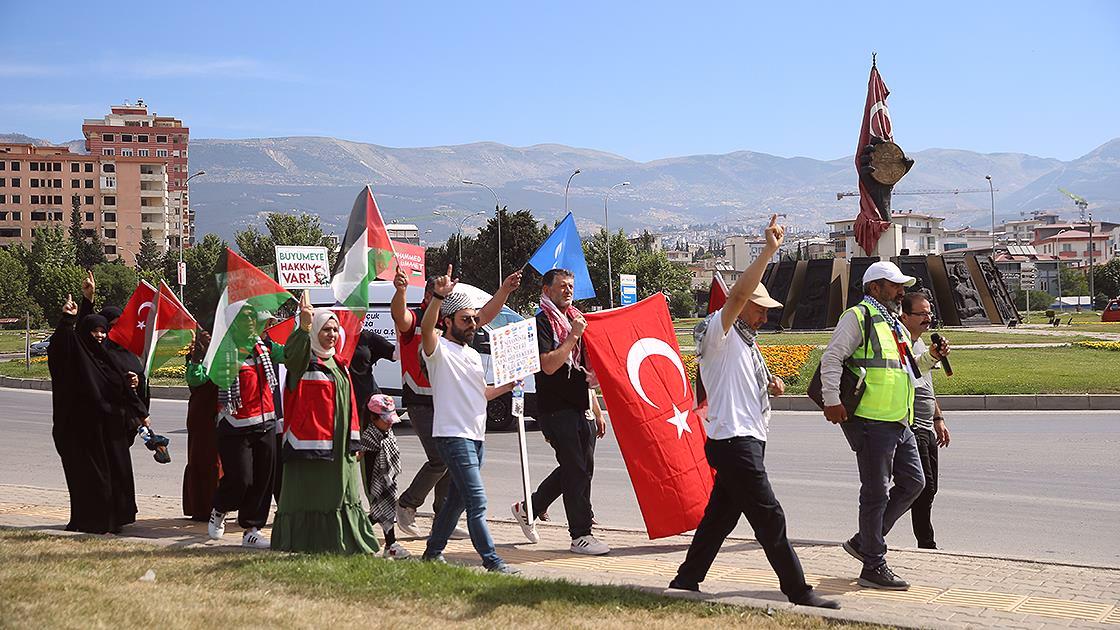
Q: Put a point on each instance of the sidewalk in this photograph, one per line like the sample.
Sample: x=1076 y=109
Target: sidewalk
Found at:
x=949 y=590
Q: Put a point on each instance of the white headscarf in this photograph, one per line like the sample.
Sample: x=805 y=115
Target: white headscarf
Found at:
x=320 y=319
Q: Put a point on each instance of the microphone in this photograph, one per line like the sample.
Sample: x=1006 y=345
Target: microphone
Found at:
x=936 y=339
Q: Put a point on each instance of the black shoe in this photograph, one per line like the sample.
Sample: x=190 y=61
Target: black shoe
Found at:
x=851 y=545
x=680 y=585
x=810 y=598
x=883 y=578
x=927 y=545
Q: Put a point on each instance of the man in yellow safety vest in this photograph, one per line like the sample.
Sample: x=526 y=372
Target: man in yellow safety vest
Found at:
x=879 y=430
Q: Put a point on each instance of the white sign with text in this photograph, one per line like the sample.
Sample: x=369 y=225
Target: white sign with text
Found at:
x=302 y=267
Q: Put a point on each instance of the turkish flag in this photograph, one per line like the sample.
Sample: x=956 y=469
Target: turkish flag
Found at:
x=717 y=293
x=137 y=318
x=349 y=326
x=635 y=356
x=869 y=225
x=350 y=330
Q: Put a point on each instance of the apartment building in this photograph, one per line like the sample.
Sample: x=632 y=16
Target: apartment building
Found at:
x=129 y=132
x=118 y=197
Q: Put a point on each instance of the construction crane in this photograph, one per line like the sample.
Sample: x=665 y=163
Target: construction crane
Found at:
x=955 y=191
x=1079 y=201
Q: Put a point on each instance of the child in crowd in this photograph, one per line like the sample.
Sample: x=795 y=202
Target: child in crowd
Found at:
x=383 y=463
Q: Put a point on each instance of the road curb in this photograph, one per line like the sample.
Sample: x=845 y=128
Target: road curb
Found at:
x=980 y=402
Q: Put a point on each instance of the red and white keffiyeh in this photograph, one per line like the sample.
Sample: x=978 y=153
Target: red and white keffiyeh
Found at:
x=561 y=322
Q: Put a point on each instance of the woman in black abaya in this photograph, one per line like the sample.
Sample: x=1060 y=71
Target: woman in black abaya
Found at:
x=94 y=402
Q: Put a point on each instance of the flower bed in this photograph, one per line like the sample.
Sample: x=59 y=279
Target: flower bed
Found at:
x=1100 y=345
x=786 y=362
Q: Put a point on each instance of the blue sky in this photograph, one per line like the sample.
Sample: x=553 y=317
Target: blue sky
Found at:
x=644 y=80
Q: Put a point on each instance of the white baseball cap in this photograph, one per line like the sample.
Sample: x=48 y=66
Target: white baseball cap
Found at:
x=886 y=270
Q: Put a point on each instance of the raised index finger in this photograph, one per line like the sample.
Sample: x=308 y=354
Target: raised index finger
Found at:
x=773 y=220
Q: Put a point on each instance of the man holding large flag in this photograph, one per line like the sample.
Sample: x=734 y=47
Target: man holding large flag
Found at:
x=240 y=364
x=739 y=389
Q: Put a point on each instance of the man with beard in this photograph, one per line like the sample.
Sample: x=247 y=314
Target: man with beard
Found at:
x=460 y=394
x=417 y=396
x=879 y=431
x=563 y=400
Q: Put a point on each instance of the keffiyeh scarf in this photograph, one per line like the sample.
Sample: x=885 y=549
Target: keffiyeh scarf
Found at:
x=230 y=399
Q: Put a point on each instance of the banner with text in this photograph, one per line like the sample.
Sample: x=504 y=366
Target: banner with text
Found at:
x=302 y=267
x=411 y=256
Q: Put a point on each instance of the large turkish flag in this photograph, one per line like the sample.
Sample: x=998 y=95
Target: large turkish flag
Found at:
x=634 y=353
x=136 y=319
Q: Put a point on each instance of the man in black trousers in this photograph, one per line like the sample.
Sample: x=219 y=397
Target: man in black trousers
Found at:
x=739 y=387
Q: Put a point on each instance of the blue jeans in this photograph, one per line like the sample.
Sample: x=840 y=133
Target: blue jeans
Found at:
x=884 y=450
x=464 y=463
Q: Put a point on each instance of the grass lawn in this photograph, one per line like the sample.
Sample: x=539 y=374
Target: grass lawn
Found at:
x=12 y=340
x=956 y=336
x=16 y=368
x=52 y=581
x=1015 y=371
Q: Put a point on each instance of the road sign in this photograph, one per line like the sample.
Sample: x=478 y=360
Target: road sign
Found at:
x=628 y=288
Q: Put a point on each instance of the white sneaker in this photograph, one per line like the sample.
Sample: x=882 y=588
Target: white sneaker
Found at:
x=522 y=518
x=460 y=533
x=217 y=526
x=406 y=521
x=254 y=539
x=396 y=551
x=589 y=545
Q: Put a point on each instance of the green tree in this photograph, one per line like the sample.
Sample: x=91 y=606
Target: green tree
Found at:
x=652 y=268
x=88 y=251
x=51 y=265
x=283 y=229
x=201 y=291
x=521 y=236
x=1040 y=300
x=1074 y=282
x=15 y=295
x=1106 y=278
x=151 y=258
x=115 y=284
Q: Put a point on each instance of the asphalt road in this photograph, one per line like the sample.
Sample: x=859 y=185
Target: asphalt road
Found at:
x=1040 y=485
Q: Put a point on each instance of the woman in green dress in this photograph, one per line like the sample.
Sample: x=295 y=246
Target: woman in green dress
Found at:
x=320 y=509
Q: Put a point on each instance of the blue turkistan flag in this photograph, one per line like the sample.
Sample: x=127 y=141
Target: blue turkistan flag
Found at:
x=563 y=250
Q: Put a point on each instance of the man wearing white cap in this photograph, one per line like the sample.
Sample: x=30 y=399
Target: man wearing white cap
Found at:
x=879 y=429
x=739 y=389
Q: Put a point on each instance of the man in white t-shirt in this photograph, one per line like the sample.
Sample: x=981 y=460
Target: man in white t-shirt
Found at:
x=459 y=395
x=739 y=387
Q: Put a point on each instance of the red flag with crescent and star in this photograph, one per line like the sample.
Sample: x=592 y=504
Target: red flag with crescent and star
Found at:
x=136 y=319
x=869 y=224
x=635 y=356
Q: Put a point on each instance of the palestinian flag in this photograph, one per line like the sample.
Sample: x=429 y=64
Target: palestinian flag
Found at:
x=131 y=329
x=248 y=298
x=171 y=331
x=366 y=251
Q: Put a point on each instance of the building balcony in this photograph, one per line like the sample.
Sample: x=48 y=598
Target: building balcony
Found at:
x=154 y=194
x=153 y=177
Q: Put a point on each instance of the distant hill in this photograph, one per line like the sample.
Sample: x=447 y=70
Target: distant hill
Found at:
x=323 y=175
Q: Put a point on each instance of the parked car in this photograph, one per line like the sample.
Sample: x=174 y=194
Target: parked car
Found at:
x=39 y=348
x=1111 y=311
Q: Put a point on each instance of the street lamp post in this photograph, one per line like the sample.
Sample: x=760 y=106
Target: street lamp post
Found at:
x=459 y=235
x=992 y=190
x=498 y=214
x=566 y=186
x=607 y=225
x=181 y=271
x=1092 y=295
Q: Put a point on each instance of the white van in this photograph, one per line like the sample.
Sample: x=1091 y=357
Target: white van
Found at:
x=379 y=319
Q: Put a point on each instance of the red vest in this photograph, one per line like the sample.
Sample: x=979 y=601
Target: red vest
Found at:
x=411 y=375
x=256 y=395
x=309 y=414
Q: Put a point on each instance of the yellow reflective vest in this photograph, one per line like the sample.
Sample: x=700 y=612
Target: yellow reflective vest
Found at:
x=888 y=391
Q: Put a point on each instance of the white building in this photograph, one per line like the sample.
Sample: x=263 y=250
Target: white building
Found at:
x=921 y=234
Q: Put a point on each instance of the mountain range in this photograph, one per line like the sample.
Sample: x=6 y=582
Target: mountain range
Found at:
x=248 y=177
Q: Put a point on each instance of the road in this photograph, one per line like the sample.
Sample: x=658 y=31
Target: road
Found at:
x=1041 y=485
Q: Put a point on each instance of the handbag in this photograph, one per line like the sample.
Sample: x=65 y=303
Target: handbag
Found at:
x=852 y=377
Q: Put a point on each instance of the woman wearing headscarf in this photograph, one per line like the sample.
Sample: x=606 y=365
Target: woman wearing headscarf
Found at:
x=320 y=507
x=125 y=360
x=93 y=403
x=200 y=476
